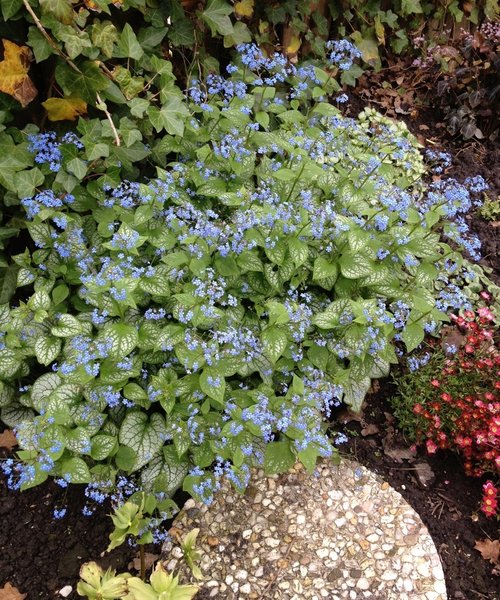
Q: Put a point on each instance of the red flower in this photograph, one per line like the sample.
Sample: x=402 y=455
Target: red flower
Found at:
x=489 y=489
x=435 y=383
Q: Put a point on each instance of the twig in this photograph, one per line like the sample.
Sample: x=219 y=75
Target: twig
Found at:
x=45 y=34
x=102 y=106
x=143 y=562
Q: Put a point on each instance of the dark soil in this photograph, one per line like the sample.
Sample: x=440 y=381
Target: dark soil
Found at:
x=40 y=555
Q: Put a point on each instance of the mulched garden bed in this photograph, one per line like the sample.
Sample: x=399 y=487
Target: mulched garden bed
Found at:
x=40 y=555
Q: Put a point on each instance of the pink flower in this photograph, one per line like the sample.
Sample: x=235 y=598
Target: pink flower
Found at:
x=431 y=446
x=485 y=313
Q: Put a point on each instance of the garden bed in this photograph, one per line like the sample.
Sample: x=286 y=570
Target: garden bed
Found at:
x=41 y=556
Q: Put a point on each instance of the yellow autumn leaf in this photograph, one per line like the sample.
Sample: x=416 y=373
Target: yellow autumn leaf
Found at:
x=244 y=8
x=294 y=45
x=14 y=79
x=64 y=109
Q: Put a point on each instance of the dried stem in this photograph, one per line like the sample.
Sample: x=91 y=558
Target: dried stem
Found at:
x=108 y=116
x=143 y=562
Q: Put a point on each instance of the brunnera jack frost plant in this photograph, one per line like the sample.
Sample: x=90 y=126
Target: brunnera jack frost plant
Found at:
x=208 y=319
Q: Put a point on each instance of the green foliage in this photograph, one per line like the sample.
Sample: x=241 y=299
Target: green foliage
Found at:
x=95 y=584
x=98 y=585
x=192 y=279
x=214 y=312
x=490 y=210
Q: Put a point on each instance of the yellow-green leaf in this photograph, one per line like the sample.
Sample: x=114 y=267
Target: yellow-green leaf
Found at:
x=244 y=8
x=64 y=109
x=294 y=45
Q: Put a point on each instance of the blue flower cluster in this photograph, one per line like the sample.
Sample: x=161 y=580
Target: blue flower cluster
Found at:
x=342 y=53
x=46 y=147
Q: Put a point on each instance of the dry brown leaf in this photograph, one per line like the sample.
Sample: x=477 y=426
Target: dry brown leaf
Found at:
x=346 y=416
x=149 y=560
x=8 y=439
x=11 y=593
x=490 y=550
x=451 y=338
x=369 y=429
x=14 y=79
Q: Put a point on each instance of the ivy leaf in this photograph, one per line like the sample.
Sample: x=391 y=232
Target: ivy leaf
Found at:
x=104 y=36
x=10 y=8
x=171 y=116
x=216 y=17
x=64 y=109
x=26 y=182
x=59 y=9
x=411 y=7
x=84 y=84
x=128 y=45
x=278 y=458
x=14 y=79
x=181 y=33
x=240 y=35
x=41 y=48
x=144 y=435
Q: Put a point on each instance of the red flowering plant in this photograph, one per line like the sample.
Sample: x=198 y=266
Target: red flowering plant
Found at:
x=449 y=398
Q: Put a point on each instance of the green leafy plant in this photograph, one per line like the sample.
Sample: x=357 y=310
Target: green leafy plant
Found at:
x=98 y=585
x=162 y=586
x=490 y=210
x=191 y=554
x=202 y=321
x=141 y=518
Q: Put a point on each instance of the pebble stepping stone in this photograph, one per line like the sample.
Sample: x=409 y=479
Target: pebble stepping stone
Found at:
x=341 y=533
